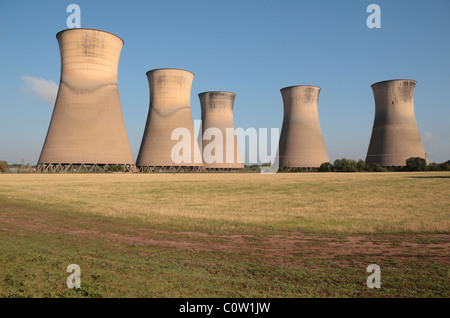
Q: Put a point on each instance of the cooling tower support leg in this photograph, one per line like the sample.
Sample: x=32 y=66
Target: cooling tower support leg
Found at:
x=170 y=169
x=74 y=168
x=224 y=170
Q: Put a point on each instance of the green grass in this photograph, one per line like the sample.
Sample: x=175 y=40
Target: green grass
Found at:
x=131 y=271
x=225 y=235
x=35 y=266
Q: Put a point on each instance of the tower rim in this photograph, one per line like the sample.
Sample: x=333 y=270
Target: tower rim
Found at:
x=168 y=68
x=394 y=80
x=223 y=92
x=65 y=30
x=293 y=86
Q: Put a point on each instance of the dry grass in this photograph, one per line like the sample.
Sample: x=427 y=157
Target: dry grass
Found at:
x=143 y=235
x=247 y=203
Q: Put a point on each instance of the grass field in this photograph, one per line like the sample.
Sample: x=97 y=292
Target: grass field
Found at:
x=225 y=235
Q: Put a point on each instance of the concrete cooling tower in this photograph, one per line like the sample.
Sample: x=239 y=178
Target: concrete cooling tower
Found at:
x=87 y=129
x=170 y=94
x=301 y=142
x=395 y=136
x=217 y=113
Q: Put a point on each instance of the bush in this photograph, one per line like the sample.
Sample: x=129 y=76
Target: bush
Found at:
x=326 y=167
x=297 y=169
x=361 y=165
x=433 y=167
x=3 y=166
x=375 y=167
x=445 y=166
x=415 y=164
x=253 y=168
x=345 y=165
x=115 y=168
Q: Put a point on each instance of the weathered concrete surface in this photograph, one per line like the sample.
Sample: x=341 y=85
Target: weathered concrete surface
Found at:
x=395 y=136
x=170 y=108
x=87 y=124
x=301 y=141
x=217 y=112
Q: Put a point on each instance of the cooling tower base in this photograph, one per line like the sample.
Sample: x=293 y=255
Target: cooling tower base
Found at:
x=83 y=167
x=224 y=169
x=170 y=169
x=298 y=169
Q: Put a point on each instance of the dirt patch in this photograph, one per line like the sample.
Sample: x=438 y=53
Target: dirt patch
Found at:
x=292 y=246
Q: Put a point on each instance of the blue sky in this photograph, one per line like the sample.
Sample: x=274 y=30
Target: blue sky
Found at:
x=252 y=48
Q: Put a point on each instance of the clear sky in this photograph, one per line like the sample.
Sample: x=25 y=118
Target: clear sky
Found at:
x=249 y=47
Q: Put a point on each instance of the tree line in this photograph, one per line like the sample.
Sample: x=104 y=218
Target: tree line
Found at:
x=350 y=165
x=411 y=164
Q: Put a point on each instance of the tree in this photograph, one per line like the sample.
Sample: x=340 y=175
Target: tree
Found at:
x=445 y=166
x=345 y=165
x=361 y=165
x=326 y=167
x=433 y=167
x=415 y=164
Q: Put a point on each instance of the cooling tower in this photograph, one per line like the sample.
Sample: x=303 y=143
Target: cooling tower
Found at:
x=170 y=94
x=301 y=142
x=395 y=136
x=217 y=119
x=87 y=129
